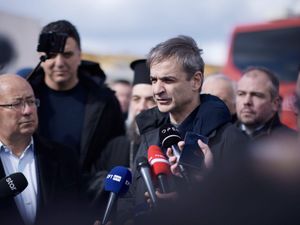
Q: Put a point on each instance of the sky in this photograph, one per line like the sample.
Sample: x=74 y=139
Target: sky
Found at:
x=135 y=26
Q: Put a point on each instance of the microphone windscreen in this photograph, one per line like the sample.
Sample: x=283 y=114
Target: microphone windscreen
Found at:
x=157 y=160
x=169 y=135
x=118 y=180
x=12 y=185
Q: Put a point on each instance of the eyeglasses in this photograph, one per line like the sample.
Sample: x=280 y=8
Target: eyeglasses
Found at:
x=20 y=105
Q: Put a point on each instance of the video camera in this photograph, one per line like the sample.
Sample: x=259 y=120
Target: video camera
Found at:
x=52 y=42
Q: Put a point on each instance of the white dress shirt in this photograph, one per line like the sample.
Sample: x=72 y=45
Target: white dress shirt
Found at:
x=26 y=201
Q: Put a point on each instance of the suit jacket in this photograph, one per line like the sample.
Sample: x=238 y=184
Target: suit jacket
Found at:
x=57 y=178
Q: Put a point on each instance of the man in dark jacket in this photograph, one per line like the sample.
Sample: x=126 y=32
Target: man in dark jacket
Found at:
x=258 y=104
x=176 y=71
x=51 y=170
x=77 y=109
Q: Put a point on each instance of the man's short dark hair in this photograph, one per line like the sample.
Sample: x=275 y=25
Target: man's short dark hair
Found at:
x=63 y=26
x=270 y=75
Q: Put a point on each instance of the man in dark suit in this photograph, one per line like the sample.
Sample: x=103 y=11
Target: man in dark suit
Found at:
x=50 y=169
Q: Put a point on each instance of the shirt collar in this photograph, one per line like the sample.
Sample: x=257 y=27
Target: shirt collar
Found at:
x=250 y=131
x=29 y=148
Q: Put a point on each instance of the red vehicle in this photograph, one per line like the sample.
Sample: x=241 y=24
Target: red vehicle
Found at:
x=274 y=45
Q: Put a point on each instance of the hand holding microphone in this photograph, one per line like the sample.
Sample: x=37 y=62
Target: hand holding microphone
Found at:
x=160 y=169
x=196 y=156
x=174 y=161
x=169 y=137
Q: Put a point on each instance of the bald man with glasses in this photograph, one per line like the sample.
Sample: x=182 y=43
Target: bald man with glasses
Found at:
x=20 y=104
x=51 y=172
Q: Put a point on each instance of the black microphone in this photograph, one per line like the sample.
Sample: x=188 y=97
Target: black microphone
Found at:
x=12 y=185
x=169 y=137
x=144 y=168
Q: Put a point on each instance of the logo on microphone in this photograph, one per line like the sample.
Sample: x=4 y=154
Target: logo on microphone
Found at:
x=117 y=178
x=114 y=177
x=11 y=184
x=168 y=129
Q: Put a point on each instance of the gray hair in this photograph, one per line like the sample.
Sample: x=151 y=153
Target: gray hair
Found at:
x=182 y=48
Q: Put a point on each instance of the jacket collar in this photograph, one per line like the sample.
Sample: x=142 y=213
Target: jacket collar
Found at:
x=265 y=129
x=209 y=115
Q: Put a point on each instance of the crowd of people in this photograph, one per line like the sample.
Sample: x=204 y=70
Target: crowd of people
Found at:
x=65 y=130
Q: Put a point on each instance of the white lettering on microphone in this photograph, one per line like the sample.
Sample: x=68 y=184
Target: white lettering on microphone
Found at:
x=109 y=176
x=117 y=178
x=11 y=183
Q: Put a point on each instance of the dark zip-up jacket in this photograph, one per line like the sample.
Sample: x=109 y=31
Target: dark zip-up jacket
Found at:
x=211 y=119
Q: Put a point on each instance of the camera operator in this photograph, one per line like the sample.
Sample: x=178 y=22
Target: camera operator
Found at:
x=76 y=110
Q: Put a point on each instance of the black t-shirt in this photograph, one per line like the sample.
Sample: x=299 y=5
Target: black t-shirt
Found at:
x=61 y=115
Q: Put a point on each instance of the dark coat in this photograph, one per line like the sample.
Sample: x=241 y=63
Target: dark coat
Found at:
x=58 y=184
x=273 y=127
x=211 y=119
x=116 y=153
x=103 y=118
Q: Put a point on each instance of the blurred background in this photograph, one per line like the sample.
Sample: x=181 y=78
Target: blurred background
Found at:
x=115 y=32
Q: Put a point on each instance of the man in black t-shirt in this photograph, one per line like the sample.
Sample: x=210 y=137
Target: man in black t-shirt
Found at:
x=75 y=109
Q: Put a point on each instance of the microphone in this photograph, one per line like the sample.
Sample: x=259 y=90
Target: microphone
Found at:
x=117 y=183
x=169 y=137
x=144 y=168
x=12 y=185
x=160 y=166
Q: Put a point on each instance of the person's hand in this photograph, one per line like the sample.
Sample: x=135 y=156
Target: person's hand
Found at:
x=171 y=196
x=167 y=196
x=174 y=161
x=208 y=156
x=207 y=163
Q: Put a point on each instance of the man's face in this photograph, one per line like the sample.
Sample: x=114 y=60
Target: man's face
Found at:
x=254 y=104
x=172 y=91
x=141 y=100
x=19 y=121
x=61 y=69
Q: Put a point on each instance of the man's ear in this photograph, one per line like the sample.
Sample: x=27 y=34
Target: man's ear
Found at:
x=197 y=81
x=277 y=103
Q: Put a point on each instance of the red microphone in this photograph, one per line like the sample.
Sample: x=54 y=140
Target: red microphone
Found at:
x=160 y=166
